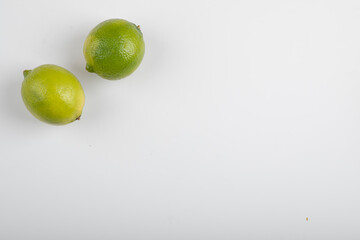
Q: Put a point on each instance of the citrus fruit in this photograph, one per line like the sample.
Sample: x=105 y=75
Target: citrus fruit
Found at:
x=114 y=49
x=53 y=94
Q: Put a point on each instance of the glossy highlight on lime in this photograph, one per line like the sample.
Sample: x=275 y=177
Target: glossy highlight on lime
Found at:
x=53 y=94
x=114 y=49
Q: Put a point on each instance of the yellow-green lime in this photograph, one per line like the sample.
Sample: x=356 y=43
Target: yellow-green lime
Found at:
x=114 y=49
x=53 y=94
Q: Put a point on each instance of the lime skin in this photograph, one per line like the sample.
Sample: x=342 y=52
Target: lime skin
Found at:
x=53 y=94
x=114 y=49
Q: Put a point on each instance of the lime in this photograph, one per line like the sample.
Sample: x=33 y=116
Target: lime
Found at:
x=114 y=49
x=52 y=94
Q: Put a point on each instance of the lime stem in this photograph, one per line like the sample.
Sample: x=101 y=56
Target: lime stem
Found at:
x=89 y=68
x=26 y=72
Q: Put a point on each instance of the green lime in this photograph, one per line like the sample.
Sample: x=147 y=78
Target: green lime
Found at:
x=114 y=49
x=53 y=94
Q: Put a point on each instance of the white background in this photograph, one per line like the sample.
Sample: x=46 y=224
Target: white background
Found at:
x=242 y=120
